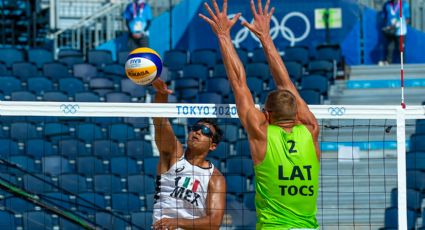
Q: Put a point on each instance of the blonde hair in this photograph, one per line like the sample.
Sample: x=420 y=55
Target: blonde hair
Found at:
x=282 y=105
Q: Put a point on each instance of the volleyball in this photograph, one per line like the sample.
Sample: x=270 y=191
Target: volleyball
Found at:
x=143 y=66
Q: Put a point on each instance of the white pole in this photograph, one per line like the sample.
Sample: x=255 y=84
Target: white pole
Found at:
x=401 y=169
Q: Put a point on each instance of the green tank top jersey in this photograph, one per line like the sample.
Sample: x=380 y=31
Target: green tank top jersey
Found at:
x=287 y=180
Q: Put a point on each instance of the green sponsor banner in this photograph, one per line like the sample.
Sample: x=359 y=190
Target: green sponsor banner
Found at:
x=332 y=15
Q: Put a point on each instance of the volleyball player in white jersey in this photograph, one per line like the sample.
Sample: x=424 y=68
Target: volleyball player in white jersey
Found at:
x=191 y=192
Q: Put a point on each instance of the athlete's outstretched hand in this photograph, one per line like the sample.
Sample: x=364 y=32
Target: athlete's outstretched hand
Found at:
x=160 y=86
x=261 y=25
x=165 y=224
x=219 y=21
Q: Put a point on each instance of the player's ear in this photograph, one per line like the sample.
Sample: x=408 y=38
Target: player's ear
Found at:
x=213 y=146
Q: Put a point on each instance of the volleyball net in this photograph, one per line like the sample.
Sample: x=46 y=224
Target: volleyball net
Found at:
x=95 y=163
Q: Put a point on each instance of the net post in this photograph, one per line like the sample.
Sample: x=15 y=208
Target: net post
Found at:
x=401 y=169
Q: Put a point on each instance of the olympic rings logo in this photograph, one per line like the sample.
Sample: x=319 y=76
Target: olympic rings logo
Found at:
x=69 y=109
x=337 y=111
x=276 y=28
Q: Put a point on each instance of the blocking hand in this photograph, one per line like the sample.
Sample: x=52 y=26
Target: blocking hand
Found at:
x=219 y=21
x=261 y=25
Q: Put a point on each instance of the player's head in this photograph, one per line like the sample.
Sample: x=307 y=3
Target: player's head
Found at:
x=281 y=105
x=204 y=135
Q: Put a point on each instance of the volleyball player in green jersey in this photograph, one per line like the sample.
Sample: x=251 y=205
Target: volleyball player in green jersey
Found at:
x=283 y=138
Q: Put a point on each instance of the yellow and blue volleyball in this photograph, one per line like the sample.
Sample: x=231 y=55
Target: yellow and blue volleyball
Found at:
x=143 y=66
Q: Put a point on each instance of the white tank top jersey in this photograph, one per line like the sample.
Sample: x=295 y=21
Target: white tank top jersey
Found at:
x=182 y=191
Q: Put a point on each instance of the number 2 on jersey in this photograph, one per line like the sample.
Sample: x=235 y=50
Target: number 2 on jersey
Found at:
x=291 y=149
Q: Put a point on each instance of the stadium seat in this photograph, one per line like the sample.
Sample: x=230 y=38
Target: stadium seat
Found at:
x=7 y=220
x=416 y=180
x=186 y=84
x=195 y=71
x=101 y=85
x=99 y=58
x=3 y=70
x=125 y=203
x=121 y=132
x=315 y=82
x=68 y=225
x=57 y=199
x=115 y=72
x=23 y=131
x=210 y=97
x=255 y=85
x=107 y=183
x=39 y=56
x=219 y=71
x=22 y=96
x=139 y=149
x=89 y=165
x=10 y=56
x=416 y=142
x=39 y=85
x=242 y=166
x=249 y=200
x=295 y=70
x=218 y=85
x=231 y=133
x=414 y=199
x=258 y=55
x=56 y=130
x=24 y=162
x=37 y=183
x=330 y=52
x=37 y=220
x=85 y=71
x=88 y=131
x=259 y=70
x=123 y=166
x=86 y=97
x=415 y=161
x=420 y=127
x=311 y=97
x=55 y=165
x=107 y=221
x=142 y=220
x=8 y=147
x=74 y=183
x=90 y=202
x=128 y=86
x=391 y=218
x=55 y=96
x=236 y=184
x=221 y=152
x=141 y=184
x=242 y=148
x=55 y=71
x=71 y=86
x=72 y=148
x=138 y=122
x=322 y=67
x=17 y=204
x=175 y=59
x=38 y=148
x=71 y=60
x=68 y=52
x=207 y=57
x=117 y=97
x=150 y=166
x=24 y=70
x=150 y=201
x=122 y=57
x=298 y=54
x=105 y=148
x=8 y=84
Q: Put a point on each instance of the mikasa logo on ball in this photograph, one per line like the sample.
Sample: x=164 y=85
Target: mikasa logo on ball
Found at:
x=143 y=66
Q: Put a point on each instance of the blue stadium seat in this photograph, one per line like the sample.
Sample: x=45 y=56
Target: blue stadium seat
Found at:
x=35 y=185
x=322 y=67
x=105 y=148
x=219 y=71
x=85 y=71
x=90 y=202
x=121 y=132
x=139 y=149
x=240 y=166
x=55 y=165
x=123 y=166
x=231 y=133
x=101 y=85
x=17 y=204
x=315 y=82
x=414 y=199
x=88 y=131
x=420 y=126
x=150 y=166
x=415 y=161
x=22 y=96
x=39 y=85
x=180 y=130
x=258 y=55
x=107 y=183
x=249 y=200
x=150 y=200
x=24 y=70
x=122 y=57
x=142 y=220
x=136 y=91
x=57 y=199
x=71 y=86
x=55 y=96
x=89 y=165
x=38 y=148
x=330 y=52
x=39 y=56
x=8 y=147
x=71 y=60
x=3 y=70
x=56 y=130
x=99 y=58
x=68 y=52
x=242 y=148
x=415 y=180
x=207 y=57
x=295 y=70
x=236 y=184
x=255 y=85
x=138 y=122
x=210 y=97
x=7 y=220
x=8 y=84
x=141 y=184
x=68 y=225
x=221 y=152
x=391 y=218
x=23 y=131
x=72 y=148
x=74 y=183
x=416 y=142
x=37 y=220
x=175 y=59
x=186 y=84
x=55 y=71
x=311 y=97
x=125 y=202
x=10 y=56
x=218 y=85
x=117 y=97
x=114 y=71
x=86 y=97
x=188 y=95
x=259 y=70
x=298 y=54
x=107 y=221
x=24 y=162
x=196 y=71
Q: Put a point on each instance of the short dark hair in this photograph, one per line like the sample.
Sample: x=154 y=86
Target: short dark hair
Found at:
x=218 y=134
x=282 y=104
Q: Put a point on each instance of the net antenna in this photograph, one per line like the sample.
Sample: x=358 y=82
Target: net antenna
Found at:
x=403 y=104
